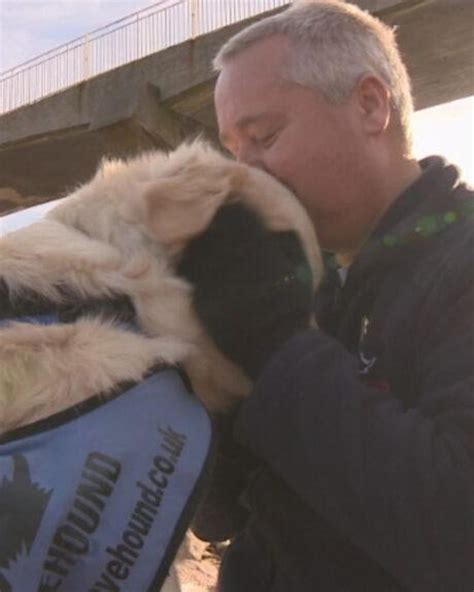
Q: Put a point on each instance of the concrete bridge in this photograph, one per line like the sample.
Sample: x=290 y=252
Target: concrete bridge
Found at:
x=48 y=147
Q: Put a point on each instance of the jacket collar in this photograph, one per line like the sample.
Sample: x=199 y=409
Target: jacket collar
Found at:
x=426 y=208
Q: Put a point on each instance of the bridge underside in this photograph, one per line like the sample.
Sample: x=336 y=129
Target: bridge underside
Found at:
x=49 y=147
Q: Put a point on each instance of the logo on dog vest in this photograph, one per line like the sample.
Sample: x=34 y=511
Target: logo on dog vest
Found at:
x=22 y=504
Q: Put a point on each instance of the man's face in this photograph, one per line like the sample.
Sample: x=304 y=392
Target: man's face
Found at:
x=315 y=148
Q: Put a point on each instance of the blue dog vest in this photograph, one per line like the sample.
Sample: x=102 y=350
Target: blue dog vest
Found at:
x=98 y=497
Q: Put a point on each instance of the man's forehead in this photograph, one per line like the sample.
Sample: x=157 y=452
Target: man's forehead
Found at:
x=269 y=55
x=250 y=85
x=236 y=79
x=241 y=103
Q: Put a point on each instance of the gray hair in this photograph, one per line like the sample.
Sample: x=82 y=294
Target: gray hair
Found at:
x=333 y=45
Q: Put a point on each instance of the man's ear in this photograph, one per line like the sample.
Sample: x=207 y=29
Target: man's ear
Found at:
x=181 y=206
x=374 y=99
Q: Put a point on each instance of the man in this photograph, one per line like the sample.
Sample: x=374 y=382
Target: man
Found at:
x=363 y=430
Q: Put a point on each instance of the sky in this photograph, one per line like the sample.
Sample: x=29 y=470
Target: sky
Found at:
x=31 y=27
x=447 y=130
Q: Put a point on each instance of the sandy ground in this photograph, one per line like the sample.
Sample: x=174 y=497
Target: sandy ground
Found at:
x=197 y=565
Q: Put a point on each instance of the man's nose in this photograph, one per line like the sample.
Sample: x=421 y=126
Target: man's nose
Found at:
x=248 y=154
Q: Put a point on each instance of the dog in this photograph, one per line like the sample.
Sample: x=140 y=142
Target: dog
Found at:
x=121 y=238
x=128 y=263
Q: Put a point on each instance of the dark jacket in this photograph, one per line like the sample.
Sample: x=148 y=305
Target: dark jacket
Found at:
x=366 y=427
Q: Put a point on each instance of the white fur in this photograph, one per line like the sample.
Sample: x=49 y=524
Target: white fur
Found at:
x=121 y=233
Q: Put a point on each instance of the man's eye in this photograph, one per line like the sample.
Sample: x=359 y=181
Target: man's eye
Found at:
x=267 y=139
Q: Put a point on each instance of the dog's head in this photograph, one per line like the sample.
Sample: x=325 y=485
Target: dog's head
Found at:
x=168 y=199
x=207 y=220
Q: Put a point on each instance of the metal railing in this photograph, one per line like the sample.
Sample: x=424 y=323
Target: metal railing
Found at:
x=152 y=29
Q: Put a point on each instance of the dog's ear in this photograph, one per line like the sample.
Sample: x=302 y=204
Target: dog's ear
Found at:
x=181 y=206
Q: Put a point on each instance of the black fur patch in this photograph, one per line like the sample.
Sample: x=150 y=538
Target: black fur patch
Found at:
x=252 y=286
